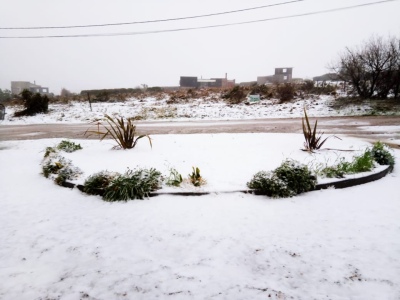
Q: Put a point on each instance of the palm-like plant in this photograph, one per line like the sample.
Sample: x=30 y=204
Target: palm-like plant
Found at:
x=121 y=131
x=313 y=140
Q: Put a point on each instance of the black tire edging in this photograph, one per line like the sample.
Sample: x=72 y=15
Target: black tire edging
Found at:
x=341 y=184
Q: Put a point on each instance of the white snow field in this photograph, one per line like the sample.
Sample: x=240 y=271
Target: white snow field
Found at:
x=197 y=109
x=58 y=243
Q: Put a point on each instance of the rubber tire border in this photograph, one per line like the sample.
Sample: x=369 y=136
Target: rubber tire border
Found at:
x=340 y=184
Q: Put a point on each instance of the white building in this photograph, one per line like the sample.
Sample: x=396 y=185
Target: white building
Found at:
x=18 y=86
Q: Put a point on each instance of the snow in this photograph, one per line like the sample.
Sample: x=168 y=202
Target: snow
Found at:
x=151 y=109
x=58 y=243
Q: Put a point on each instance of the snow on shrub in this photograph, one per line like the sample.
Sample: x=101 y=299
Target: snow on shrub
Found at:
x=289 y=179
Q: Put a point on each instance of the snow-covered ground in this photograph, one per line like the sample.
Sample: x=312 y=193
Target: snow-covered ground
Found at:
x=57 y=243
x=196 y=109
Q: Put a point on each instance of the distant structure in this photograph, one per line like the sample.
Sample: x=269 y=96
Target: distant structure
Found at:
x=327 y=77
x=194 y=82
x=18 y=86
x=282 y=75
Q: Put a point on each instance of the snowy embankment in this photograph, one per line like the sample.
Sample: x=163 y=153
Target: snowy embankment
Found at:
x=58 y=243
x=197 y=109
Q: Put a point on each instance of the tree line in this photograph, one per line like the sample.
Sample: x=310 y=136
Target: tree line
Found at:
x=372 y=69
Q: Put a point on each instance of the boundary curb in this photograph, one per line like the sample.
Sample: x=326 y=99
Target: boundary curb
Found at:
x=341 y=184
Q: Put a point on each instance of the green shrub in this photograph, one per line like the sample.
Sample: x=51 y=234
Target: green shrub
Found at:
x=133 y=185
x=289 y=179
x=174 y=178
x=53 y=166
x=67 y=173
x=259 y=89
x=380 y=153
x=270 y=184
x=361 y=163
x=68 y=146
x=286 y=91
x=235 y=96
x=298 y=177
x=96 y=183
x=59 y=168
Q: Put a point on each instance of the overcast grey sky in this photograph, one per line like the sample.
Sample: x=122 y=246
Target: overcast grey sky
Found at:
x=308 y=43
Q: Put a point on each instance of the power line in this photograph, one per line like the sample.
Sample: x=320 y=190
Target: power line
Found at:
x=153 y=21
x=199 y=27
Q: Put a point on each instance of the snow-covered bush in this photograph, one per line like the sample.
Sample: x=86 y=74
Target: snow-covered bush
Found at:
x=380 y=153
x=271 y=185
x=95 y=184
x=134 y=184
x=59 y=168
x=289 y=179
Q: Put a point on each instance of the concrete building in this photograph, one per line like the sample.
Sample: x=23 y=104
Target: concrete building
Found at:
x=194 y=82
x=327 y=77
x=282 y=75
x=18 y=86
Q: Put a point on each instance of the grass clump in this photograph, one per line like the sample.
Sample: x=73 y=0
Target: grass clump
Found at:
x=49 y=151
x=67 y=173
x=68 y=146
x=64 y=145
x=195 y=178
x=95 y=184
x=381 y=154
x=359 y=164
x=59 y=169
x=53 y=165
x=289 y=179
x=133 y=185
x=174 y=178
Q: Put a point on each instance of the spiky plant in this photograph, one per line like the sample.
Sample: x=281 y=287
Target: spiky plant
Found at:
x=122 y=131
x=313 y=140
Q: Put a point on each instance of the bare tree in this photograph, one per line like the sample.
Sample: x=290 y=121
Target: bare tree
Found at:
x=372 y=69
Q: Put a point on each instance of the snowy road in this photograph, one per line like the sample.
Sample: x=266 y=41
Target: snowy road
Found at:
x=385 y=128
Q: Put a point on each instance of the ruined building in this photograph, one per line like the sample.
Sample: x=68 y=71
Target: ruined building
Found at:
x=18 y=86
x=194 y=82
x=282 y=75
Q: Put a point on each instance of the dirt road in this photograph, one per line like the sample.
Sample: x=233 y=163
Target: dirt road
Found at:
x=367 y=127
